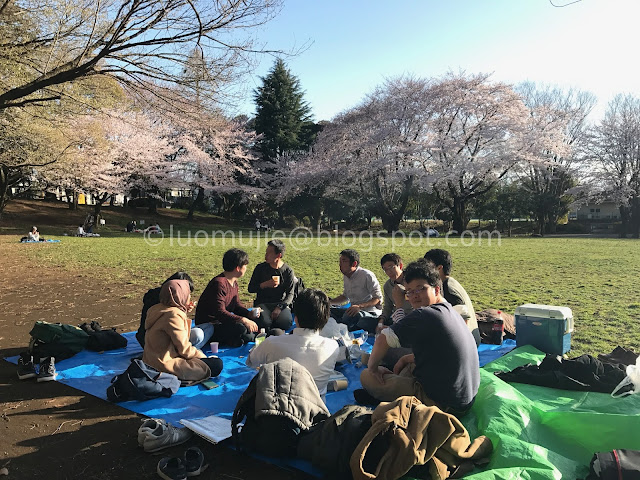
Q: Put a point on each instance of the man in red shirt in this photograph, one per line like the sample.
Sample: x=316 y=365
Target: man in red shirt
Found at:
x=220 y=313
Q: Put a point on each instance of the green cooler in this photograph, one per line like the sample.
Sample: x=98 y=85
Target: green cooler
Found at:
x=546 y=327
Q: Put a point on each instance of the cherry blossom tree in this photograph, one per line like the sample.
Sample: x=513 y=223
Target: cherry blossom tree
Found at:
x=616 y=160
x=550 y=179
x=373 y=154
x=214 y=154
x=480 y=131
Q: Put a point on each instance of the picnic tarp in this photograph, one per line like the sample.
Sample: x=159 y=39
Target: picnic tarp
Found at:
x=537 y=432
x=545 y=433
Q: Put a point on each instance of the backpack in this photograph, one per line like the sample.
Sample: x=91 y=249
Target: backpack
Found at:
x=141 y=382
x=298 y=286
x=56 y=340
x=272 y=435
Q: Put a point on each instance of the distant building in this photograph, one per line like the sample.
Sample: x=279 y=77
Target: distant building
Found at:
x=601 y=211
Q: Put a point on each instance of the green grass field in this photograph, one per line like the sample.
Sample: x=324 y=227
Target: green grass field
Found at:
x=596 y=278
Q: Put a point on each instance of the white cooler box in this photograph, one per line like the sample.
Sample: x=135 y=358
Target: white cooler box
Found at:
x=546 y=327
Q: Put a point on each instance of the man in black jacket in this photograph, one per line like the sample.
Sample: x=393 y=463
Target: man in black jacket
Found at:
x=274 y=282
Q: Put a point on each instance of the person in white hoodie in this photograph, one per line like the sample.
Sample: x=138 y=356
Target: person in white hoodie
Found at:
x=305 y=345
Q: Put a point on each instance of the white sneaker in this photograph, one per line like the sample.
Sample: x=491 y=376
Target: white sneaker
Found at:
x=165 y=436
x=149 y=425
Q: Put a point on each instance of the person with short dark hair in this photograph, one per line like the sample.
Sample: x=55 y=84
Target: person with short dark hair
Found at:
x=274 y=282
x=392 y=266
x=443 y=369
x=362 y=289
x=305 y=345
x=452 y=291
x=220 y=313
x=152 y=297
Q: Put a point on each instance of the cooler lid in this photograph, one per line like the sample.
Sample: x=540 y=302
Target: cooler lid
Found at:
x=543 y=311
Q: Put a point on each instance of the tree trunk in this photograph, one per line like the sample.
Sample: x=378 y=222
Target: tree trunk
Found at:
x=624 y=216
x=635 y=217
x=112 y=201
x=460 y=215
x=125 y=202
x=391 y=222
x=152 y=206
x=4 y=187
x=198 y=201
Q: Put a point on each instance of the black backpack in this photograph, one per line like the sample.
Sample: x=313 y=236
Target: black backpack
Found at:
x=272 y=435
x=141 y=382
x=56 y=340
x=298 y=287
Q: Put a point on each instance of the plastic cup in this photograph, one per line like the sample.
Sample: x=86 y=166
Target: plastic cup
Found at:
x=276 y=278
x=214 y=347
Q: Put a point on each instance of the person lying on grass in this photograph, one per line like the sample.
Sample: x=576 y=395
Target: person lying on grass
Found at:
x=305 y=345
x=167 y=346
x=443 y=369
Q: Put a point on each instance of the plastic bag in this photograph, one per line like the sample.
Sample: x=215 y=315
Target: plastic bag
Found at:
x=334 y=329
x=632 y=378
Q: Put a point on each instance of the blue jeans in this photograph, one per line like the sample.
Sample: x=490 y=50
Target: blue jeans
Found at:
x=201 y=334
x=361 y=321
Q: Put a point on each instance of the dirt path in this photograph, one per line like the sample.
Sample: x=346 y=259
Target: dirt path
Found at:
x=50 y=430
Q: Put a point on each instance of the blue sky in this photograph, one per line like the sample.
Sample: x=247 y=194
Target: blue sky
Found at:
x=356 y=44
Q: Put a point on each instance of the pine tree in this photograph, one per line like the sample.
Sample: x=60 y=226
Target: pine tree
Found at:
x=283 y=117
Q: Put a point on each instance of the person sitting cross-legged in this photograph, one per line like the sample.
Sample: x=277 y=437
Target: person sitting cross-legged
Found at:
x=362 y=289
x=452 y=291
x=167 y=346
x=220 y=313
x=443 y=369
x=273 y=281
x=305 y=345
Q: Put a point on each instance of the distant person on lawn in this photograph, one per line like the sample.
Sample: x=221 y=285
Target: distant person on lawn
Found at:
x=167 y=346
x=443 y=369
x=34 y=235
x=274 y=282
x=131 y=226
x=152 y=297
x=452 y=291
x=362 y=289
x=220 y=313
x=305 y=345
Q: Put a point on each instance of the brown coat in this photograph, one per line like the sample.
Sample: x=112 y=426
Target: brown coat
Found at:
x=417 y=435
x=167 y=347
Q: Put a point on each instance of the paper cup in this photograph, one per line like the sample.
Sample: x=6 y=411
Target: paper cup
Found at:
x=337 y=385
x=214 y=347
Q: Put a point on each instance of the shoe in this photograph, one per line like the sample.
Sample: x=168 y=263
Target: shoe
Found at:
x=47 y=370
x=164 y=437
x=194 y=461
x=172 y=469
x=148 y=427
x=95 y=326
x=365 y=398
x=25 y=366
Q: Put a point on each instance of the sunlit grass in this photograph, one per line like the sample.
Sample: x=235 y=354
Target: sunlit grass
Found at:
x=596 y=278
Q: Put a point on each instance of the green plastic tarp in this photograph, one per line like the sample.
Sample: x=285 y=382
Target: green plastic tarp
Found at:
x=546 y=433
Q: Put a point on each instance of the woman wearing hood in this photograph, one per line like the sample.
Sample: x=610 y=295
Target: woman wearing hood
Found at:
x=167 y=347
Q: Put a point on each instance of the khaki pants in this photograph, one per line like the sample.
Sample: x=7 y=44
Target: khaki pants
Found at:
x=404 y=384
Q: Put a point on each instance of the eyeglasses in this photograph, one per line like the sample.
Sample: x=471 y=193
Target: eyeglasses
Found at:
x=389 y=268
x=416 y=291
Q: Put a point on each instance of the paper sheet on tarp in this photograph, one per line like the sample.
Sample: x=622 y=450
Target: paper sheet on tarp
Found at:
x=212 y=428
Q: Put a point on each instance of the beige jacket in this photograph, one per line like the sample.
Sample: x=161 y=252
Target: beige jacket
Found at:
x=417 y=435
x=167 y=347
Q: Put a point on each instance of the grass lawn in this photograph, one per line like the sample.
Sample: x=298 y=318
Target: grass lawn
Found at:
x=596 y=278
